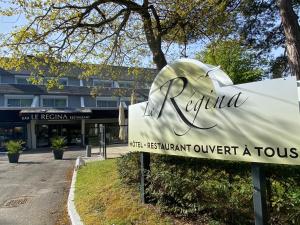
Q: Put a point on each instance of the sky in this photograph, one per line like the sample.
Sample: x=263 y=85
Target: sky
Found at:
x=7 y=23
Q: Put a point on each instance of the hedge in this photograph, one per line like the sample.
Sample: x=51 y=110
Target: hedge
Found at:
x=192 y=188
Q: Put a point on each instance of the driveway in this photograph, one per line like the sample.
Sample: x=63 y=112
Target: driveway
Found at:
x=33 y=191
x=113 y=151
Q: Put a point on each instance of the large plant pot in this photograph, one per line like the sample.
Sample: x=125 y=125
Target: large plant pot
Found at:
x=13 y=158
x=58 y=154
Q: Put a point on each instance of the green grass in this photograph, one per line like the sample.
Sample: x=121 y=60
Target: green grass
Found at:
x=101 y=199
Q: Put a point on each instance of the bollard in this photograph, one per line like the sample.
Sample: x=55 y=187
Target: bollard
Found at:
x=88 y=151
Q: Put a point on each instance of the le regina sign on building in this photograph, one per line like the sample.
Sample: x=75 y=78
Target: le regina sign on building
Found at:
x=194 y=110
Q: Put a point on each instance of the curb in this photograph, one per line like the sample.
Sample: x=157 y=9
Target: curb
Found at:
x=74 y=216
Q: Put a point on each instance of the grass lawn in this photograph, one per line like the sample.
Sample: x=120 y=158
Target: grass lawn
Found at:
x=101 y=199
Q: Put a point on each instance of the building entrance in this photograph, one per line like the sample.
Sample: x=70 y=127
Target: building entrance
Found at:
x=12 y=131
x=44 y=133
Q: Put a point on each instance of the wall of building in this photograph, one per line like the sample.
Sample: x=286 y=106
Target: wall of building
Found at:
x=74 y=101
x=7 y=79
x=88 y=82
x=73 y=81
x=1 y=100
x=89 y=101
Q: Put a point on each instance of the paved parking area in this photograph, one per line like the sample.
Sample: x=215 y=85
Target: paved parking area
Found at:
x=113 y=151
x=32 y=191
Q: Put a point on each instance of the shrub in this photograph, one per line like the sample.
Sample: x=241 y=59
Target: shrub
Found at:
x=194 y=188
x=283 y=186
x=191 y=188
x=58 y=143
x=129 y=168
x=14 y=146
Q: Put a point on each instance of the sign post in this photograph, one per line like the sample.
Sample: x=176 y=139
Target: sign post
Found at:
x=102 y=141
x=259 y=194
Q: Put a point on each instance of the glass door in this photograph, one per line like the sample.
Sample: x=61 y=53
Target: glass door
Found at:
x=42 y=135
x=71 y=132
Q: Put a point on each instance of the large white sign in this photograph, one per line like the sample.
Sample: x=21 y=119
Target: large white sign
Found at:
x=194 y=110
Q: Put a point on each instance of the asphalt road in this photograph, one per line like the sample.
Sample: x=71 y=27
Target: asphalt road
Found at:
x=32 y=191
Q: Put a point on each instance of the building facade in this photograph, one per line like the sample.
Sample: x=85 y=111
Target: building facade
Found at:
x=35 y=114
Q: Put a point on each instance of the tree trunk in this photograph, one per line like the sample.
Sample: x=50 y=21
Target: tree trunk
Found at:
x=158 y=56
x=291 y=27
x=154 y=41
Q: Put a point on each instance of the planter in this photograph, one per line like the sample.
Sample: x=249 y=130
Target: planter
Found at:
x=13 y=158
x=58 y=154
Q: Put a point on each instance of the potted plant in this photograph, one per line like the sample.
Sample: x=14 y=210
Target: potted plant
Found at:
x=58 y=145
x=14 y=148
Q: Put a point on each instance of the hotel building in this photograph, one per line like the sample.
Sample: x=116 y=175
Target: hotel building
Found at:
x=35 y=114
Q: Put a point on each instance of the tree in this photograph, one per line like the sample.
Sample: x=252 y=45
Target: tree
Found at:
x=128 y=31
x=239 y=63
x=279 y=67
x=291 y=28
x=115 y=31
x=262 y=29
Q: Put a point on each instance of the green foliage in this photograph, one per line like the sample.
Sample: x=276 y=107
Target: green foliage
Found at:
x=58 y=143
x=128 y=167
x=191 y=188
x=260 y=27
x=221 y=190
x=194 y=20
x=239 y=63
x=123 y=32
x=283 y=186
x=14 y=146
x=279 y=67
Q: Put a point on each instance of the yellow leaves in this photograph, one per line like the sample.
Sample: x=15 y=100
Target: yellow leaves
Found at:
x=24 y=34
x=53 y=15
x=7 y=12
x=35 y=80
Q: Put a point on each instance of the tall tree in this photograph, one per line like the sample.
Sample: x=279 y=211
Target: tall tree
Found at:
x=291 y=28
x=272 y=24
x=239 y=63
x=113 y=30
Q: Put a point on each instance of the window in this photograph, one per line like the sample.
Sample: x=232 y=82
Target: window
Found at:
x=125 y=84
x=18 y=101
x=103 y=83
x=107 y=103
x=11 y=131
x=56 y=102
x=63 y=81
x=21 y=79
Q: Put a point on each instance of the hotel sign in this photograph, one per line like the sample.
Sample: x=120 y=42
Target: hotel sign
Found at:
x=194 y=110
x=54 y=116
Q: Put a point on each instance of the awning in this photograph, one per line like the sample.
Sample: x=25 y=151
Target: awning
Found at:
x=41 y=110
x=55 y=114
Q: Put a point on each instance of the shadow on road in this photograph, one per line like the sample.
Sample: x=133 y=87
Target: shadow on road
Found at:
x=48 y=150
x=69 y=158
x=30 y=163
